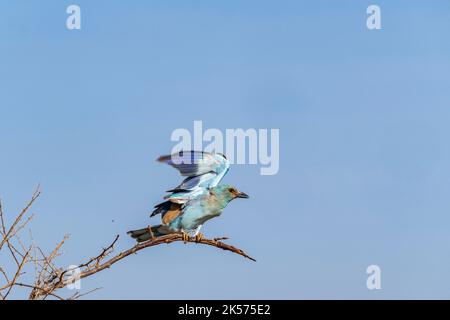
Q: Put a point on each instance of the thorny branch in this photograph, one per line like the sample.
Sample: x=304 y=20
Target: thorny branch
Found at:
x=50 y=278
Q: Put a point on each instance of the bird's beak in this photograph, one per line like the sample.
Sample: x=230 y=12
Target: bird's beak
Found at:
x=242 y=195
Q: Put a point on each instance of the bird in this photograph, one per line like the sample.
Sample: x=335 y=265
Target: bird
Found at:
x=196 y=200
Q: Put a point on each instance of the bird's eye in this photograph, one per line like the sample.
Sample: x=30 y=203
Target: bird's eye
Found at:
x=231 y=190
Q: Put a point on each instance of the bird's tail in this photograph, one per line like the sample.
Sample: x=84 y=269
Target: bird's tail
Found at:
x=144 y=234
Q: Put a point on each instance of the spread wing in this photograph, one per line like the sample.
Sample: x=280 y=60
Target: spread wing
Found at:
x=202 y=169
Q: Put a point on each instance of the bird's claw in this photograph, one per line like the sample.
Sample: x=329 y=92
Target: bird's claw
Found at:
x=199 y=237
x=185 y=237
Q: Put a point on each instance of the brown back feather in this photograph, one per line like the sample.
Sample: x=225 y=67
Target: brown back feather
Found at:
x=172 y=213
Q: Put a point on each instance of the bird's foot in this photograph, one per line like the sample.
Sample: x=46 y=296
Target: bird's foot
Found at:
x=198 y=237
x=185 y=236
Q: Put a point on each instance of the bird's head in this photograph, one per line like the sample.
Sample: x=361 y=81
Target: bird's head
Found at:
x=229 y=193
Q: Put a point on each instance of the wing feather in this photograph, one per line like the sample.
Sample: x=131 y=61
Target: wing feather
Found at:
x=203 y=169
x=168 y=210
x=189 y=163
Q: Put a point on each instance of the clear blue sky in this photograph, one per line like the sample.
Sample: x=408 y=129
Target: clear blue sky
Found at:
x=364 y=154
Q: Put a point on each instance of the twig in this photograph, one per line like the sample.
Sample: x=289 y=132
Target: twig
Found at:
x=8 y=234
x=78 y=295
x=34 y=287
x=52 y=284
x=49 y=278
x=16 y=276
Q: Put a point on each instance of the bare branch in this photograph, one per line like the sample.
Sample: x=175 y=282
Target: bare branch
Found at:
x=33 y=287
x=78 y=295
x=50 y=278
x=94 y=265
x=16 y=276
x=8 y=234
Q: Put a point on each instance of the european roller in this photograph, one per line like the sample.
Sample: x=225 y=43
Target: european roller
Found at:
x=197 y=199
